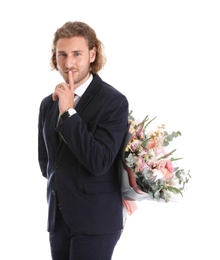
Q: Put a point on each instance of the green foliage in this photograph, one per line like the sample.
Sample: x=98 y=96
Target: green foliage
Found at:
x=159 y=189
x=130 y=160
x=169 y=137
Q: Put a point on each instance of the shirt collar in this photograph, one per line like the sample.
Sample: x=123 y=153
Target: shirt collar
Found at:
x=81 y=89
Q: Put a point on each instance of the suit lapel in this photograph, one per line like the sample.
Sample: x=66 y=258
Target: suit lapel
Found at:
x=89 y=93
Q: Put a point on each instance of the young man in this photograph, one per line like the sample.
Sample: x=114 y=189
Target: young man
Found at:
x=81 y=128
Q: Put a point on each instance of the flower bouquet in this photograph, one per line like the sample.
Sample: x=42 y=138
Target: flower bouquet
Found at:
x=147 y=171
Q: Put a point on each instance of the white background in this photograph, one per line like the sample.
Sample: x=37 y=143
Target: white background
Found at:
x=165 y=57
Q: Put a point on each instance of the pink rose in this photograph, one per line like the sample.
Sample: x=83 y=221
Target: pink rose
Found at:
x=151 y=144
x=141 y=164
x=169 y=166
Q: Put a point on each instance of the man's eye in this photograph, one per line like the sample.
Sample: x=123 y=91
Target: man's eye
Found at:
x=62 y=54
x=76 y=54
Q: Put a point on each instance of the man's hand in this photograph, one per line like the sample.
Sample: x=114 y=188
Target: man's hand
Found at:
x=65 y=93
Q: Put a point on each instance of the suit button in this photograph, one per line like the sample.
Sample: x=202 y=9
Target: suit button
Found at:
x=53 y=192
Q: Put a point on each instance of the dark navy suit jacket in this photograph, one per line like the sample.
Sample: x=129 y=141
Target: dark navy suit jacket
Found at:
x=82 y=167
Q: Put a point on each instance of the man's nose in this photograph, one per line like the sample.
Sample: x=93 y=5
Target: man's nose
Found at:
x=69 y=62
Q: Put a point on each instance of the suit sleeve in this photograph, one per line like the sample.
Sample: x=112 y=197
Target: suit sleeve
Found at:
x=42 y=153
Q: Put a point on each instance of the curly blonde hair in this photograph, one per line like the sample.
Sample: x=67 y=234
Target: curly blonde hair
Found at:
x=72 y=29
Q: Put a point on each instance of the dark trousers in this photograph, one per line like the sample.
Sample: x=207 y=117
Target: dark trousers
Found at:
x=67 y=245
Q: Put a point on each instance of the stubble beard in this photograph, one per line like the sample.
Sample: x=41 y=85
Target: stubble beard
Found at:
x=82 y=76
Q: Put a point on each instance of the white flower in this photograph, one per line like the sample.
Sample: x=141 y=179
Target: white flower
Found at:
x=158 y=174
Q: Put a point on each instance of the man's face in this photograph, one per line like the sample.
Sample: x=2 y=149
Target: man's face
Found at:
x=73 y=54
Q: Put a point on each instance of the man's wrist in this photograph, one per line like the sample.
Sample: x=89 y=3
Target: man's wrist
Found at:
x=69 y=112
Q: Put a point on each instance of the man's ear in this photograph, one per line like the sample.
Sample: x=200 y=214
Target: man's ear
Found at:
x=92 y=54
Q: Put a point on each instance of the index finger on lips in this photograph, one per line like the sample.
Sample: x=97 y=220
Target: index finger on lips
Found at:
x=71 y=82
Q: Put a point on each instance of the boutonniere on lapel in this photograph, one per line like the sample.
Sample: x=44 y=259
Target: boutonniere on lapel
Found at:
x=147 y=169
